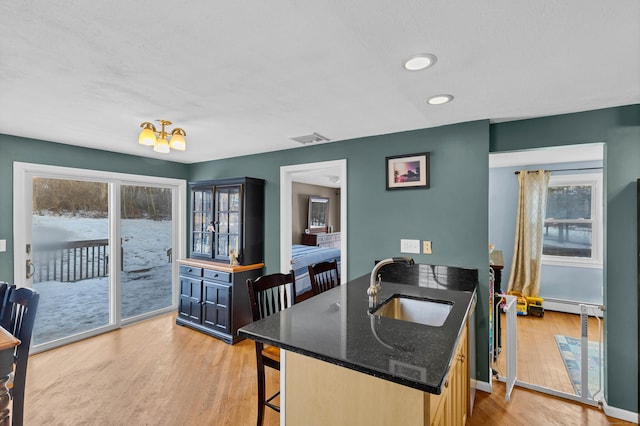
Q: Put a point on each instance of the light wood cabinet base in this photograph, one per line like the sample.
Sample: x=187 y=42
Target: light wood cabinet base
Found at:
x=321 y=393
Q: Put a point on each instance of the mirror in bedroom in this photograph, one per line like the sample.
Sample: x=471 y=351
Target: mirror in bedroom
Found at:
x=318 y=216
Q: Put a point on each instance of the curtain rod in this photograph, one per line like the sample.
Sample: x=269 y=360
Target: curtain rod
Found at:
x=561 y=170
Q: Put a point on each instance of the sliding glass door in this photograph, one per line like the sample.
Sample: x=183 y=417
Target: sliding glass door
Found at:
x=99 y=247
x=70 y=255
x=147 y=249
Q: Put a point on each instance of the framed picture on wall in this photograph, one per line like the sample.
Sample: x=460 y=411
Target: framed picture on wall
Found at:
x=408 y=171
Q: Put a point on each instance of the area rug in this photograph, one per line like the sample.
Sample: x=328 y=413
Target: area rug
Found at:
x=570 y=350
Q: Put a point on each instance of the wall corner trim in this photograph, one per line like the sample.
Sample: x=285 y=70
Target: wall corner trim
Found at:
x=619 y=413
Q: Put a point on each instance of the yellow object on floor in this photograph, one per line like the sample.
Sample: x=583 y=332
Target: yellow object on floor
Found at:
x=521 y=302
x=535 y=306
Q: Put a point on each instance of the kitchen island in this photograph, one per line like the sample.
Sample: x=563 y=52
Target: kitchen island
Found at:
x=342 y=364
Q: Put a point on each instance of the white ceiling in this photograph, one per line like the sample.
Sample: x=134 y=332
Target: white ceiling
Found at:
x=330 y=176
x=243 y=77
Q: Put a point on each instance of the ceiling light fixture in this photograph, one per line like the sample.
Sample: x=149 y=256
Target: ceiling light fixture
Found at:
x=440 y=99
x=420 y=62
x=149 y=136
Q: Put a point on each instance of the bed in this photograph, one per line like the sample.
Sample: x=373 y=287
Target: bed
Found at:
x=303 y=256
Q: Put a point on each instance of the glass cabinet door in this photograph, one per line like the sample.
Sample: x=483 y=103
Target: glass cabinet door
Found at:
x=202 y=222
x=227 y=210
x=227 y=215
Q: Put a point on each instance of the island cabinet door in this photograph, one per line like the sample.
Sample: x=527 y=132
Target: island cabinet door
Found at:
x=217 y=313
x=190 y=308
x=441 y=409
x=450 y=408
x=459 y=383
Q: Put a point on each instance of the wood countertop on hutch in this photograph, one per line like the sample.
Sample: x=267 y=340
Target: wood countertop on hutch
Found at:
x=199 y=263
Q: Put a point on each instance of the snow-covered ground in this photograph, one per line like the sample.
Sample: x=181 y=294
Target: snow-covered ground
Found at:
x=68 y=308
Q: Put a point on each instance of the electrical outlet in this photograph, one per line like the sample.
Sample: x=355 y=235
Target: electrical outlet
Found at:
x=410 y=246
x=426 y=247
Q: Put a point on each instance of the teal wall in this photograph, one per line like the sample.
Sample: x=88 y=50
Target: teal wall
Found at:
x=39 y=152
x=619 y=128
x=452 y=213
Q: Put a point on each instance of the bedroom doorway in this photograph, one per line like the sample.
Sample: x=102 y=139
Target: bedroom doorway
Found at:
x=332 y=174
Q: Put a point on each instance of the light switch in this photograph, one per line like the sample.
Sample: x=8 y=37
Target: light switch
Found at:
x=426 y=247
x=410 y=246
x=3 y=245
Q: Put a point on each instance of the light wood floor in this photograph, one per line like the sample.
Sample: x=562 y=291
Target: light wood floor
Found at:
x=539 y=360
x=157 y=373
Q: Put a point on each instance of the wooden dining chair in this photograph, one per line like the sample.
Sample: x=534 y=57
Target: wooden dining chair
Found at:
x=4 y=300
x=269 y=294
x=18 y=318
x=324 y=276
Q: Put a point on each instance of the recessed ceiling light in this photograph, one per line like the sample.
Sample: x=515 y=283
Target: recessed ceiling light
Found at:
x=440 y=99
x=420 y=62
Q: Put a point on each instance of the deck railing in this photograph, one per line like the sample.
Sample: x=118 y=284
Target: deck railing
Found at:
x=71 y=261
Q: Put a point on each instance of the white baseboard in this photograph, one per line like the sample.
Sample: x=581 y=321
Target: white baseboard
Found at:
x=483 y=386
x=619 y=413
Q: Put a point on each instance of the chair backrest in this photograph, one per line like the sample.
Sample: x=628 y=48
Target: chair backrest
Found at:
x=324 y=276
x=20 y=315
x=272 y=293
x=5 y=290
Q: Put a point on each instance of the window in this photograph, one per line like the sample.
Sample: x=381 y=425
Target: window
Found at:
x=573 y=221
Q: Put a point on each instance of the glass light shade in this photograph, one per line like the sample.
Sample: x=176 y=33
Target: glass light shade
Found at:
x=178 y=142
x=161 y=146
x=147 y=137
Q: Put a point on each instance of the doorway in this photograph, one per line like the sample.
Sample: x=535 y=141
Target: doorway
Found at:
x=97 y=246
x=550 y=343
x=319 y=173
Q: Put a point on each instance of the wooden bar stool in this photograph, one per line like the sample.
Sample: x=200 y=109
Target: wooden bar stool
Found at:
x=18 y=318
x=269 y=294
x=323 y=276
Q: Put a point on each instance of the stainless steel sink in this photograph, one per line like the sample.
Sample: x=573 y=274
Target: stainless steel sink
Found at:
x=413 y=309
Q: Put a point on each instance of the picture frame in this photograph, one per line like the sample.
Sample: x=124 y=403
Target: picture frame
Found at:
x=408 y=171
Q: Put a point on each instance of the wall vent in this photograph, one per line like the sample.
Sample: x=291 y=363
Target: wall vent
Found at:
x=312 y=138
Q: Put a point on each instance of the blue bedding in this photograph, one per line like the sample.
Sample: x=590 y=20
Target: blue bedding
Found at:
x=303 y=256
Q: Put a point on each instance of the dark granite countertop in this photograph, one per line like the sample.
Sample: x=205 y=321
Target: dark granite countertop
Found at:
x=336 y=326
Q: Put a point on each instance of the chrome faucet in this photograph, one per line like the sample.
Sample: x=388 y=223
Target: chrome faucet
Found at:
x=374 y=285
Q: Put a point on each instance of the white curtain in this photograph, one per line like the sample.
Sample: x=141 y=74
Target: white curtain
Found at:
x=527 y=251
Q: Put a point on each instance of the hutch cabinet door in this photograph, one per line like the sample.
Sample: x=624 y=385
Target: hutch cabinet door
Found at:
x=202 y=222
x=228 y=214
x=190 y=308
x=217 y=314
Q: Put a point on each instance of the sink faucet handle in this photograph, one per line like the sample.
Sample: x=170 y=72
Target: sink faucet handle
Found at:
x=373 y=290
x=374 y=287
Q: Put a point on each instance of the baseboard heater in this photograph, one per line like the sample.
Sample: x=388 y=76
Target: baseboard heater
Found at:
x=567 y=306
